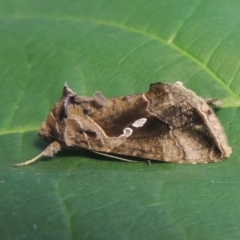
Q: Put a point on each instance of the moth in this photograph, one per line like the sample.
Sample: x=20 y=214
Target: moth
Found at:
x=167 y=123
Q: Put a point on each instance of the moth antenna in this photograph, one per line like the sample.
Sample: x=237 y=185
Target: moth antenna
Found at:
x=112 y=156
x=52 y=149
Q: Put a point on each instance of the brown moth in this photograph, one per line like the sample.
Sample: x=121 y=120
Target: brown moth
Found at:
x=168 y=123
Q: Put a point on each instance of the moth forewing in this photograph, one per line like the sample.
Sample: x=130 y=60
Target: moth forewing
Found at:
x=167 y=123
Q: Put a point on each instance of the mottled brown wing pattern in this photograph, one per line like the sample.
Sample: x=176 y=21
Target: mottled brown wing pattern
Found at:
x=168 y=123
x=175 y=129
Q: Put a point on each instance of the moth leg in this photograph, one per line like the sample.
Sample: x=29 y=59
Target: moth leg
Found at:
x=212 y=101
x=99 y=99
x=149 y=163
x=112 y=156
x=53 y=148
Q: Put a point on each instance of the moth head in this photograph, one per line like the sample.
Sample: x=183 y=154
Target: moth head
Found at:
x=50 y=128
x=46 y=132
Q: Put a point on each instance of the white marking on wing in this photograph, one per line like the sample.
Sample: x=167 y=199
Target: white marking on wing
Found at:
x=139 y=123
x=126 y=132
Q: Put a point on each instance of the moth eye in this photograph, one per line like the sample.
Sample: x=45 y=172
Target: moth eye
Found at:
x=47 y=137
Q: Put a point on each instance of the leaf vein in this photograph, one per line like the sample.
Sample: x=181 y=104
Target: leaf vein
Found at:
x=132 y=51
x=175 y=47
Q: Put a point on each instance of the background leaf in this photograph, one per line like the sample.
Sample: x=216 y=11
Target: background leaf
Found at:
x=118 y=47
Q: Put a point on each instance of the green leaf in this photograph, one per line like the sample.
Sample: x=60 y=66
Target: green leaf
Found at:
x=118 y=47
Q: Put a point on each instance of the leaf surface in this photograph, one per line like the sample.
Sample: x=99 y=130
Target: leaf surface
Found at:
x=118 y=47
